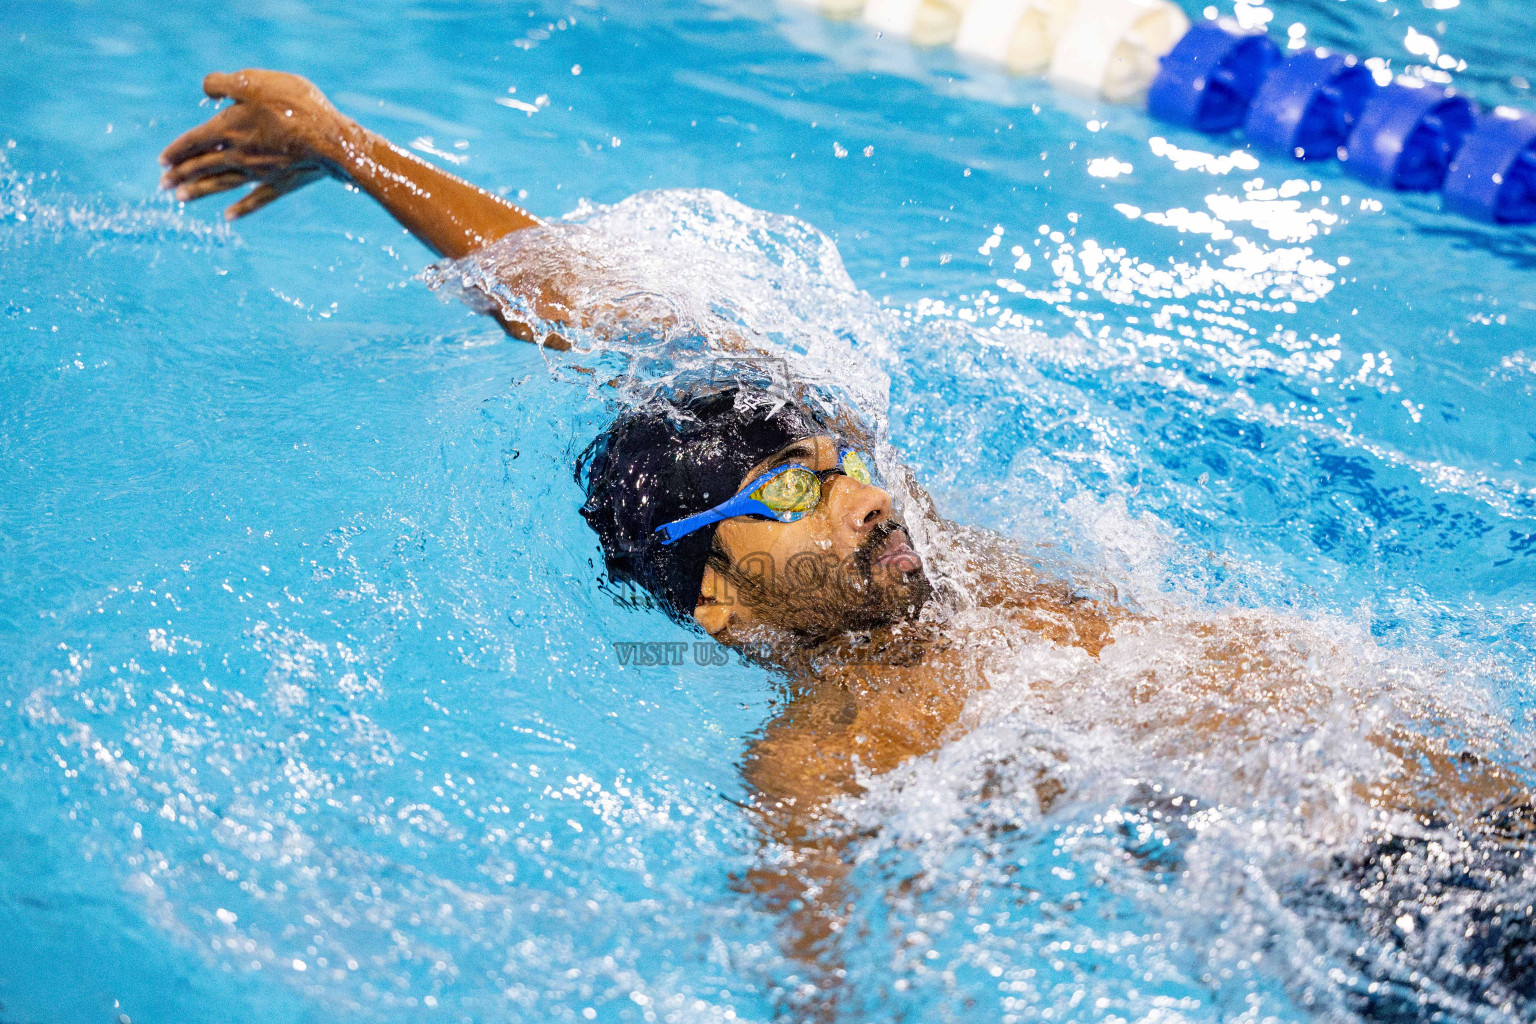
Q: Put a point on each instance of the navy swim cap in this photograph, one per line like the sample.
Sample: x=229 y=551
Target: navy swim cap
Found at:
x=671 y=458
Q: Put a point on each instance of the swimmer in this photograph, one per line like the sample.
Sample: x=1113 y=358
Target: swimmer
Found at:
x=767 y=526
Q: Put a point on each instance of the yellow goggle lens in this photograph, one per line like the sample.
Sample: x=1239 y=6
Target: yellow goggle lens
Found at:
x=855 y=466
x=794 y=490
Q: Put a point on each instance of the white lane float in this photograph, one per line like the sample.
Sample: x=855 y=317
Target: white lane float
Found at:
x=1113 y=48
x=1020 y=35
x=924 y=22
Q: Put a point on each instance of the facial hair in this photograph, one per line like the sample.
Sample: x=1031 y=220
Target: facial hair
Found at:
x=816 y=598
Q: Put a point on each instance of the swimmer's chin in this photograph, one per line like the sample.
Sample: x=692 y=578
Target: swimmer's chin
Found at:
x=904 y=591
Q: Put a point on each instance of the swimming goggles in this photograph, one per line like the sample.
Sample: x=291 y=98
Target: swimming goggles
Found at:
x=786 y=494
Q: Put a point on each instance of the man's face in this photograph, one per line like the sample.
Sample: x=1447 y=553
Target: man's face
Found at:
x=846 y=565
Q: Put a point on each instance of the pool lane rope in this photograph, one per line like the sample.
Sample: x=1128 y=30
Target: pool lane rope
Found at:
x=1215 y=77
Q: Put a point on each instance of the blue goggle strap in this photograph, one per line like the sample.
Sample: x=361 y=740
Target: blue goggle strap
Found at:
x=742 y=504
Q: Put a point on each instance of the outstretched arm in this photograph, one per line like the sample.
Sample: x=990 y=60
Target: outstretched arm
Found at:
x=281 y=133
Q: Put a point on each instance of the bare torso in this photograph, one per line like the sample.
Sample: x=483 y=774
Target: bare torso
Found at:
x=1214 y=694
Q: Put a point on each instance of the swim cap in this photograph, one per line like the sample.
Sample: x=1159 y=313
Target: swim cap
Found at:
x=671 y=458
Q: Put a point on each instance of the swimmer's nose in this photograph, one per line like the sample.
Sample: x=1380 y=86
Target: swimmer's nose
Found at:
x=865 y=506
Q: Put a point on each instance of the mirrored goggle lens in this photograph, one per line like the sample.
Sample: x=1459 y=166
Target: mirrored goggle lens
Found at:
x=791 y=494
x=859 y=466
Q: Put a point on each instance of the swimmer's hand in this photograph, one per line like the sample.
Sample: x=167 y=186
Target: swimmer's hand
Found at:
x=281 y=133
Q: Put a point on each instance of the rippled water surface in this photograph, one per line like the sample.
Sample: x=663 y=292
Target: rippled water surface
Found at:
x=311 y=708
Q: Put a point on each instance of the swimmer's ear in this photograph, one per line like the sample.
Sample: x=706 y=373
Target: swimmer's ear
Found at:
x=715 y=610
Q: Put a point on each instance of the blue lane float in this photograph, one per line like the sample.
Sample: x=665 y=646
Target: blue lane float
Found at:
x=1308 y=105
x=1493 y=178
x=1214 y=77
x=1209 y=79
x=1407 y=136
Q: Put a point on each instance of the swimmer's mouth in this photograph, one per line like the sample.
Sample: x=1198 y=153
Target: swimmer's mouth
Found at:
x=897 y=553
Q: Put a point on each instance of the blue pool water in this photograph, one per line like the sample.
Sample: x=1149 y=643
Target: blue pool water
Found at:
x=311 y=708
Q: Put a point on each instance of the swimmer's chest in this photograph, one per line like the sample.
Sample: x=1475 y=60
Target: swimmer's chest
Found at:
x=888 y=713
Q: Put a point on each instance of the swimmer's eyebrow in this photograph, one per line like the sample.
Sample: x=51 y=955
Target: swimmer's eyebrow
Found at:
x=800 y=451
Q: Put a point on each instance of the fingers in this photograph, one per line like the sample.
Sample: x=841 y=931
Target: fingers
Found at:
x=254 y=166
x=198 y=167
x=221 y=86
x=189 y=144
x=210 y=135
x=211 y=184
x=261 y=195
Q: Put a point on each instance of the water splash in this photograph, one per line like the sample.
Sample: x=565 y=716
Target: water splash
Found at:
x=33 y=208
